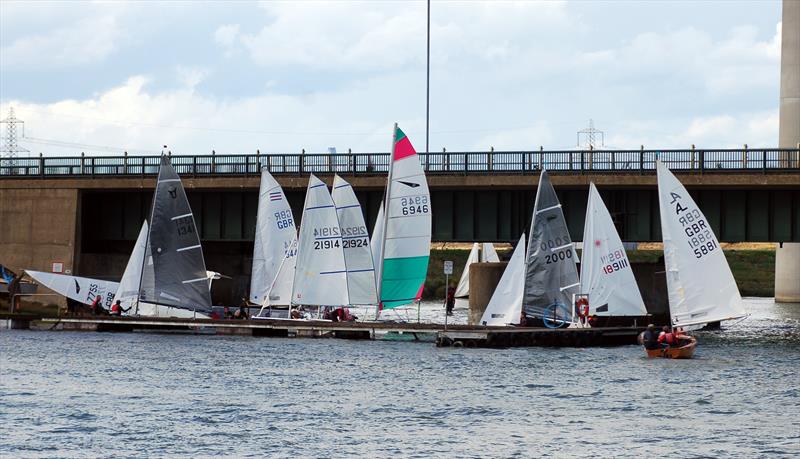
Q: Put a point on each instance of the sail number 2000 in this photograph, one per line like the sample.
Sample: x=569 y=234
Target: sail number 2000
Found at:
x=414 y=205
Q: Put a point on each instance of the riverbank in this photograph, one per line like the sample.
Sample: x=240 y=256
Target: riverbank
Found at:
x=754 y=270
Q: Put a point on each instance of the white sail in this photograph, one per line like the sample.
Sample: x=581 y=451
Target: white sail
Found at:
x=356 y=245
x=505 y=306
x=275 y=232
x=489 y=254
x=462 y=290
x=375 y=241
x=406 y=243
x=320 y=277
x=128 y=290
x=81 y=289
x=280 y=293
x=699 y=281
x=606 y=274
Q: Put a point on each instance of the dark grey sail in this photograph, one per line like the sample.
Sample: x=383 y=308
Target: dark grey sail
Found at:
x=551 y=277
x=174 y=273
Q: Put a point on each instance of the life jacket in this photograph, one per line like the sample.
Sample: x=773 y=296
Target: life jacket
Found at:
x=115 y=309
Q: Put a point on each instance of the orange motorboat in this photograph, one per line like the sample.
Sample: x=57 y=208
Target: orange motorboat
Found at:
x=684 y=351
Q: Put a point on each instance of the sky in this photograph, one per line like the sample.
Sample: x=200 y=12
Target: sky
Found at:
x=236 y=77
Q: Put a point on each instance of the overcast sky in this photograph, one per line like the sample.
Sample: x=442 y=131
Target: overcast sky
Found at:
x=282 y=76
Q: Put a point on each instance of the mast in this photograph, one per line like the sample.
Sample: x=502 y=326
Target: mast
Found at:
x=386 y=201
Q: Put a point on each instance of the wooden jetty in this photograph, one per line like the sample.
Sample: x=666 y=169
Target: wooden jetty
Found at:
x=453 y=335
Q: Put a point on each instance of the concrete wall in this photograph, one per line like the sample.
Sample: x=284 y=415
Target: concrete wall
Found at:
x=38 y=227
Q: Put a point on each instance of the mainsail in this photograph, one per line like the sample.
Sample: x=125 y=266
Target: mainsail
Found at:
x=462 y=290
x=606 y=274
x=128 y=290
x=406 y=243
x=275 y=233
x=551 y=278
x=483 y=253
x=699 y=281
x=356 y=245
x=174 y=272
x=505 y=306
x=280 y=292
x=489 y=254
x=320 y=277
x=376 y=241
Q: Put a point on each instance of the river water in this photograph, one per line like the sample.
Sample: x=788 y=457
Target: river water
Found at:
x=142 y=394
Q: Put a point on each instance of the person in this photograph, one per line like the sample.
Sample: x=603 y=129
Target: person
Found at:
x=666 y=338
x=96 y=306
x=243 y=312
x=650 y=337
x=451 y=299
x=117 y=309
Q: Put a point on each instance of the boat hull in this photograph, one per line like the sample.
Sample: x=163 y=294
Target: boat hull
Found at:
x=683 y=352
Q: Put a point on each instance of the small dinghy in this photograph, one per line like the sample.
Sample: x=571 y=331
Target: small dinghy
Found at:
x=684 y=351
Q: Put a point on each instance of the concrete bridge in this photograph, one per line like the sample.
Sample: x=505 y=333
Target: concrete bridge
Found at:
x=86 y=211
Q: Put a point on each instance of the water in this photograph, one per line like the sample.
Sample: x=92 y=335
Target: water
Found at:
x=141 y=394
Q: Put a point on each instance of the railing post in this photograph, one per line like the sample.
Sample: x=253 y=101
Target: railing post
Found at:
x=583 y=153
x=258 y=161
x=641 y=159
x=125 y=163
x=194 y=165
x=541 y=154
x=466 y=163
x=351 y=164
x=83 y=165
x=702 y=161
x=744 y=158
x=41 y=164
x=446 y=158
x=764 y=164
x=92 y=166
x=691 y=159
x=213 y=161
x=491 y=159
x=302 y=160
x=613 y=160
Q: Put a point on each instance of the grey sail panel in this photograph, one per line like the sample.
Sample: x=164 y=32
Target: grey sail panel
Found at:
x=550 y=277
x=174 y=273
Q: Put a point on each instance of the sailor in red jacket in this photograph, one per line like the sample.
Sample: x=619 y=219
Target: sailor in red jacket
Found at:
x=666 y=337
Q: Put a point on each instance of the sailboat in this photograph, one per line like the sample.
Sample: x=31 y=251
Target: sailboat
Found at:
x=173 y=273
x=700 y=285
x=606 y=275
x=356 y=245
x=405 y=240
x=275 y=235
x=551 y=277
x=320 y=276
x=505 y=306
x=480 y=253
x=165 y=275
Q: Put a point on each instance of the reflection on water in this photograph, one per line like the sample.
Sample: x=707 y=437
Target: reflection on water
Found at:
x=144 y=394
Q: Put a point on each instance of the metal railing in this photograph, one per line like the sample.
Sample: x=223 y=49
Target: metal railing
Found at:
x=766 y=160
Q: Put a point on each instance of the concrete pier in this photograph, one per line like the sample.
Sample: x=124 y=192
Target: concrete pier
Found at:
x=456 y=335
x=787 y=254
x=483 y=279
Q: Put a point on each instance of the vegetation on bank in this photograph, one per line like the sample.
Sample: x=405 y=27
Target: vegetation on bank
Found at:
x=754 y=270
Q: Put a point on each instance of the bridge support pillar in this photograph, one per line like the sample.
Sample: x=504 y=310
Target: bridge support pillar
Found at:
x=483 y=279
x=787 y=272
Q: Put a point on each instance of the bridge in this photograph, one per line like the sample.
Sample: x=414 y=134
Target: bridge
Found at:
x=85 y=212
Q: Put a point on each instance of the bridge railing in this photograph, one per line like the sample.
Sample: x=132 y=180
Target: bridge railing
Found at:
x=766 y=160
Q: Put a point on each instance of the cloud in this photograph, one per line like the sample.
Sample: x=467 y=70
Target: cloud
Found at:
x=88 y=40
